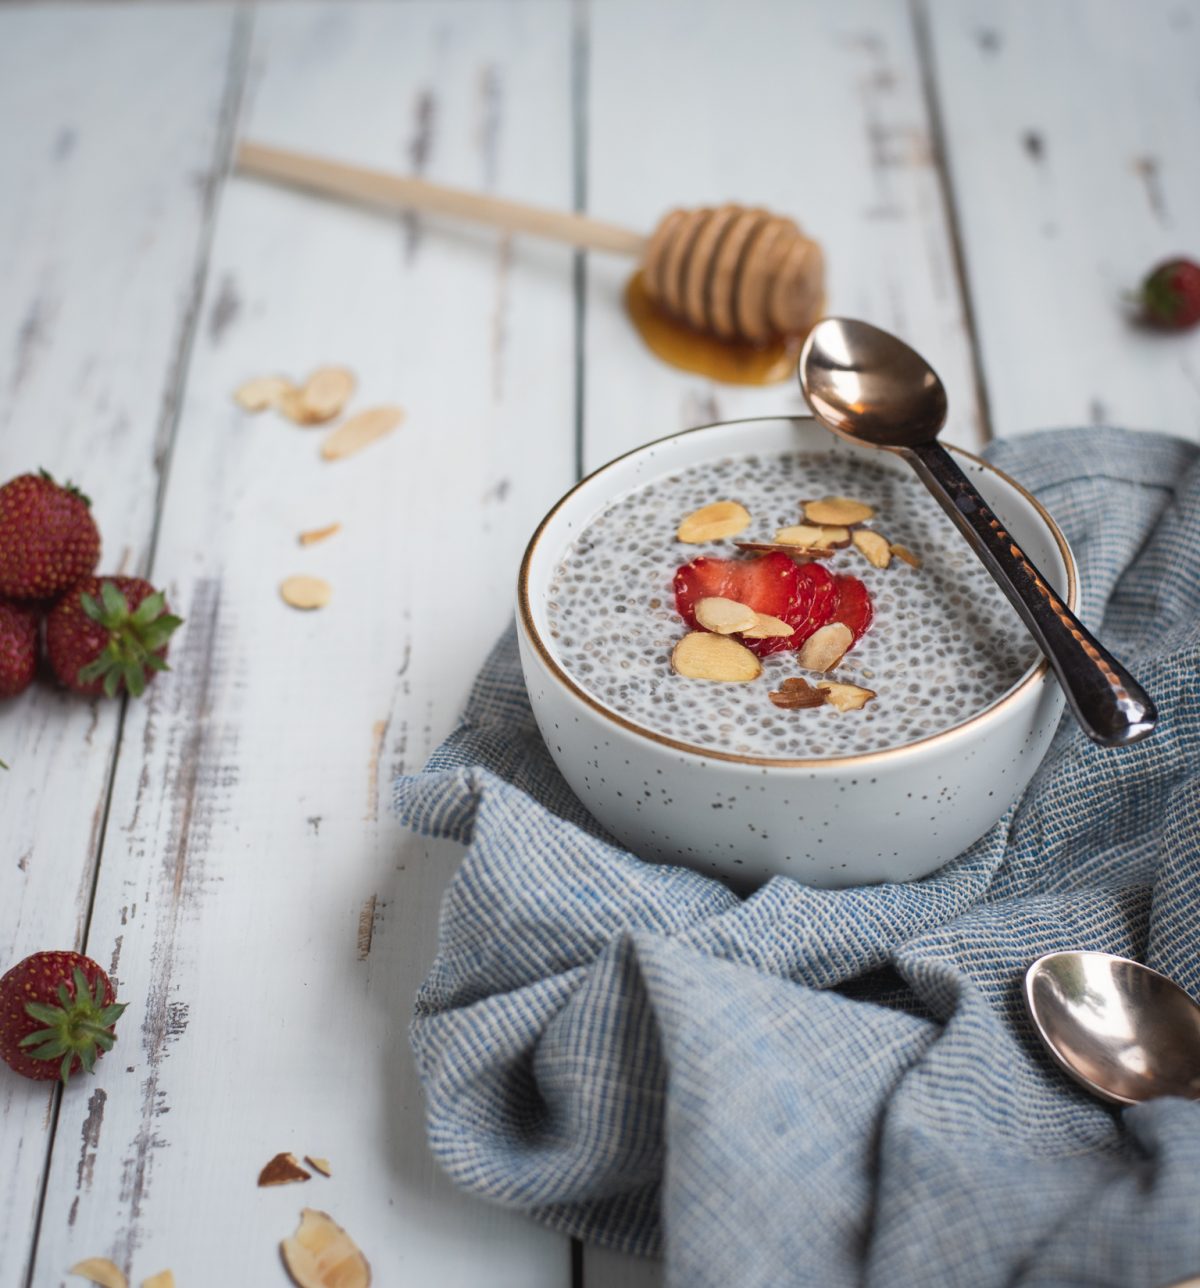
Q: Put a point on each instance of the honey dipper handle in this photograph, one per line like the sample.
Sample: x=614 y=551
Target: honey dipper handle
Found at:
x=377 y=187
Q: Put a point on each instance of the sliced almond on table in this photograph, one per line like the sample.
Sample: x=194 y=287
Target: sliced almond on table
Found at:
x=282 y=1170
x=313 y=535
x=100 y=1271
x=846 y=697
x=840 y=510
x=873 y=548
x=813 y=536
x=702 y=656
x=713 y=523
x=767 y=627
x=903 y=552
x=305 y=592
x=164 y=1279
x=326 y=392
x=322 y=1255
x=321 y=1165
x=360 y=430
x=262 y=392
x=291 y=404
x=725 y=616
x=799 y=554
x=796 y=694
x=825 y=648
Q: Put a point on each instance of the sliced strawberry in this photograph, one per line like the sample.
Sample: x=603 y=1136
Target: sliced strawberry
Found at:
x=823 y=596
x=853 y=607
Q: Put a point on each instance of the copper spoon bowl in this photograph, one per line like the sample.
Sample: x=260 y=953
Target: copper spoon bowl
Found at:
x=1120 y=1029
x=871 y=388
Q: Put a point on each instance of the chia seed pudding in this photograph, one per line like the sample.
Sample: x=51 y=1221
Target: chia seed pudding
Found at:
x=944 y=644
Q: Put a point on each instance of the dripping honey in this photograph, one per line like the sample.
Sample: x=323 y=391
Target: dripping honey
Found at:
x=733 y=361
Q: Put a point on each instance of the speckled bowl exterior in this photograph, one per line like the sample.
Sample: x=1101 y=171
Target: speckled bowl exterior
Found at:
x=891 y=815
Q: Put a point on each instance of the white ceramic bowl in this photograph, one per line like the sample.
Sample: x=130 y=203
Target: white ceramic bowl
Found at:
x=889 y=815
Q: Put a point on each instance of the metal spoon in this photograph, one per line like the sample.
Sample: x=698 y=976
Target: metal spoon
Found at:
x=1123 y=1030
x=871 y=388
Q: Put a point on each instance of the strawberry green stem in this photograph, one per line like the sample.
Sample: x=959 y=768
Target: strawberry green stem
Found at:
x=76 y=1029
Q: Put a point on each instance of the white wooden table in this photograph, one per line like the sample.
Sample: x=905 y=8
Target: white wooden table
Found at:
x=987 y=178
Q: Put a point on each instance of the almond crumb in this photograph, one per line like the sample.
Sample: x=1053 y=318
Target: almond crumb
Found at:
x=313 y=535
x=847 y=697
x=825 y=648
x=713 y=523
x=904 y=553
x=319 y=1165
x=796 y=694
x=100 y=1271
x=703 y=656
x=838 y=510
x=283 y=1169
x=873 y=548
x=164 y=1279
x=725 y=616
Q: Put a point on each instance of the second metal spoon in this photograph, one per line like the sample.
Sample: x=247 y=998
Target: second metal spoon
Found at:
x=870 y=387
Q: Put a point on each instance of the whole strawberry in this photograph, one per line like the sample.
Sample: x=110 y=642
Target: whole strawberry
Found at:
x=57 y=1012
x=109 y=633
x=18 y=647
x=48 y=538
x=1170 y=295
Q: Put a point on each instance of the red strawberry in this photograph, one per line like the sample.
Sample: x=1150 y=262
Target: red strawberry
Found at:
x=18 y=648
x=1170 y=295
x=107 y=633
x=853 y=607
x=48 y=538
x=57 y=1012
x=800 y=594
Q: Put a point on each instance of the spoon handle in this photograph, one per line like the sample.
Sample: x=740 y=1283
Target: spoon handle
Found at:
x=1108 y=702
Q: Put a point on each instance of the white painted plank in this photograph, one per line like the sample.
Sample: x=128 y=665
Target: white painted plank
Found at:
x=1072 y=134
x=811 y=109
x=111 y=128
x=274 y=920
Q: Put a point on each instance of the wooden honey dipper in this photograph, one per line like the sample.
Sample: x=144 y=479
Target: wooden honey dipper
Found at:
x=735 y=272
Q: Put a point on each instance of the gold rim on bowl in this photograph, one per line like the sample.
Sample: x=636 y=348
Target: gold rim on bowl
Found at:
x=1027 y=681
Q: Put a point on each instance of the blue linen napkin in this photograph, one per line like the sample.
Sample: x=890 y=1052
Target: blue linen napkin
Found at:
x=836 y=1087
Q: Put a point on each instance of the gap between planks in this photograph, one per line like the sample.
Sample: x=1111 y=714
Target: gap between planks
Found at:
x=237 y=65
x=926 y=61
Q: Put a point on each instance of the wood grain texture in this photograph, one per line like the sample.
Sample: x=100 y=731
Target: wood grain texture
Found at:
x=103 y=228
x=1072 y=131
x=813 y=110
x=274 y=919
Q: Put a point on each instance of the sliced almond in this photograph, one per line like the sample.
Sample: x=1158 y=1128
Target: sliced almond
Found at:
x=702 y=656
x=798 y=554
x=305 y=592
x=813 y=536
x=291 y=404
x=313 y=535
x=100 y=1271
x=725 y=616
x=903 y=552
x=262 y=392
x=360 y=431
x=164 y=1279
x=847 y=697
x=282 y=1170
x=326 y=392
x=322 y=1255
x=713 y=523
x=839 y=510
x=796 y=694
x=321 y=1165
x=825 y=648
x=874 y=548
x=767 y=627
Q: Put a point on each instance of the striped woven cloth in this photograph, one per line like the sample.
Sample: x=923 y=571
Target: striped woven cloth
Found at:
x=836 y=1087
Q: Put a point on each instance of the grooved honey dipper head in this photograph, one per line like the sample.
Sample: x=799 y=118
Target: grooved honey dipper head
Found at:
x=738 y=273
